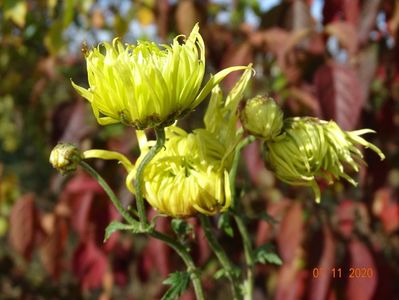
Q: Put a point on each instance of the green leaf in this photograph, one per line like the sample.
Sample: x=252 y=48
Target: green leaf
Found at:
x=268 y=218
x=266 y=254
x=115 y=226
x=181 y=227
x=219 y=274
x=179 y=282
x=225 y=224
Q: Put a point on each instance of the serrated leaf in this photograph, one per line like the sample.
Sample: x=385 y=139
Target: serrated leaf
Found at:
x=179 y=282
x=181 y=227
x=266 y=254
x=224 y=223
x=115 y=226
x=268 y=218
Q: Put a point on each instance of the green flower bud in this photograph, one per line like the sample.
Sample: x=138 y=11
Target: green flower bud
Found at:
x=147 y=86
x=310 y=148
x=65 y=157
x=262 y=117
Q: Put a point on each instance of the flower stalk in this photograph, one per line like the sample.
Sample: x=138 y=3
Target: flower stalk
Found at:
x=138 y=183
x=221 y=255
x=174 y=244
x=247 y=244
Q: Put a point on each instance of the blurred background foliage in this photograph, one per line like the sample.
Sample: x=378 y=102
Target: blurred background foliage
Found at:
x=335 y=59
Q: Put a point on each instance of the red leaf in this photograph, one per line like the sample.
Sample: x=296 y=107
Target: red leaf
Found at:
x=276 y=210
x=387 y=209
x=24 y=225
x=236 y=55
x=290 y=282
x=340 y=94
x=89 y=264
x=291 y=233
x=345 y=217
x=358 y=287
x=319 y=287
x=254 y=162
x=54 y=243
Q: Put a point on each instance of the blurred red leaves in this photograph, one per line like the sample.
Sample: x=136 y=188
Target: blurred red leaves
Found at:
x=290 y=284
x=339 y=92
x=320 y=287
x=291 y=233
x=89 y=264
x=52 y=247
x=24 y=225
x=360 y=257
x=236 y=55
x=386 y=208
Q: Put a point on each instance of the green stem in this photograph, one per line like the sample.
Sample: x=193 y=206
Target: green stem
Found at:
x=114 y=199
x=248 y=251
x=183 y=253
x=247 y=244
x=221 y=255
x=178 y=247
x=233 y=172
x=138 y=183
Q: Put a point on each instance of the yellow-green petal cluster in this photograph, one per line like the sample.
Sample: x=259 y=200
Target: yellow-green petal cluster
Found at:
x=181 y=180
x=262 y=117
x=147 y=86
x=310 y=148
x=190 y=174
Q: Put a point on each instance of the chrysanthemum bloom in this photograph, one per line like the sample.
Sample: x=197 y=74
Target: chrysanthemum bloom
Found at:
x=181 y=180
x=310 y=148
x=65 y=157
x=262 y=117
x=190 y=174
x=146 y=86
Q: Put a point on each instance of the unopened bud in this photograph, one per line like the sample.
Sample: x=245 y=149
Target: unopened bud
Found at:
x=262 y=117
x=65 y=157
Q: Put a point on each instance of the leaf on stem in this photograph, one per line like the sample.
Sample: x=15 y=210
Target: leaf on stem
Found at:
x=181 y=227
x=224 y=223
x=116 y=225
x=179 y=282
x=268 y=218
x=266 y=254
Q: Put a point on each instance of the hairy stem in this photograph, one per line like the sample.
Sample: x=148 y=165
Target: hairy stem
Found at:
x=183 y=253
x=221 y=255
x=177 y=246
x=138 y=183
x=114 y=199
x=248 y=251
x=247 y=244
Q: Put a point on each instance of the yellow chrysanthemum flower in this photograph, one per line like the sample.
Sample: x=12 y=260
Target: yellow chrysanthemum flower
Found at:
x=310 y=148
x=190 y=174
x=146 y=86
x=180 y=180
